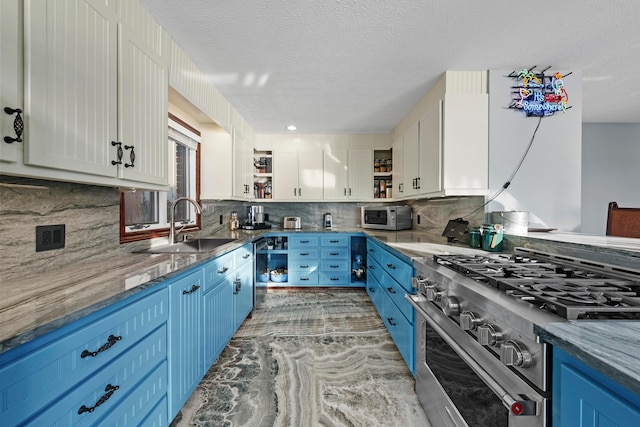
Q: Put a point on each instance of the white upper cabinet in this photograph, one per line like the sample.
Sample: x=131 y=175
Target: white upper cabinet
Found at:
x=95 y=94
x=348 y=174
x=216 y=168
x=398 y=167
x=446 y=151
x=242 y=155
x=297 y=175
x=11 y=80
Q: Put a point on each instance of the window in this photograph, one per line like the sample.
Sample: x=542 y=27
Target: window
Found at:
x=146 y=214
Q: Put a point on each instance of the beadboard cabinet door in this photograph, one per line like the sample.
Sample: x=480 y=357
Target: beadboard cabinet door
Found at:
x=71 y=85
x=348 y=174
x=142 y=110
x=186 y=354
x=95 y=96
x=10 y=76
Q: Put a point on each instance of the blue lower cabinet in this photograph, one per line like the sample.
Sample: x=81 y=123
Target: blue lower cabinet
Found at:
x=388 y=280
x=584 y=397
x=219 y=319
x=186 y=338
x=242 y=294
x=108 y=355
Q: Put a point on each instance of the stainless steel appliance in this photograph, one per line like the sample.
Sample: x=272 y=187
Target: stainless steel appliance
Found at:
x=478 y=361
x=328 y=220
x=387 y=217
x=255 y=218
x=291 y=222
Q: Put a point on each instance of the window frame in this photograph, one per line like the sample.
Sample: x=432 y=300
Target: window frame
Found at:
x=134 y=236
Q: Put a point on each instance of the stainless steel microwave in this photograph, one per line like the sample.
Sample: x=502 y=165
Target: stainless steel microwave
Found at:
x=387 y=217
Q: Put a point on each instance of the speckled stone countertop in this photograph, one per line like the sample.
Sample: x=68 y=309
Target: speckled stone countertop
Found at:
x=609 y=346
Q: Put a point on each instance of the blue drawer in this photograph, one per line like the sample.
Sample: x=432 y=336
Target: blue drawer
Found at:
x=243 y=255
x=303 y=278
x=402 y=332
x=308 y=265
x=303 y=241
x=396 y=294
x=334 y=279
x=334 y=253
x=335 y=240
x=303 y=253
x=216 y=270
x=340 y=265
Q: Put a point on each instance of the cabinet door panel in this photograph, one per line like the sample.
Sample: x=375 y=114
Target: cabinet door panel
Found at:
x=336 y=175
x=143 y=92
x=411 y=152
x=431 y=149
x=71 y=85
x=218 y=319
x=310 y=179
x=360 y=174
x=10 y=69
x=285 y=175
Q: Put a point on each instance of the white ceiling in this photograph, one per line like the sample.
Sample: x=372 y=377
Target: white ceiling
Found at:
x=349 y=66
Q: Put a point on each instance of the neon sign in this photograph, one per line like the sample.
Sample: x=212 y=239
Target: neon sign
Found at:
x=538 y=94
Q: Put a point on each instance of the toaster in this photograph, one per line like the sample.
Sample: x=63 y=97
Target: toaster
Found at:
x=292 y=222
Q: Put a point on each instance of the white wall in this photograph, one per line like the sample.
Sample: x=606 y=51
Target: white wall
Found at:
x=610 y=171
x=548 y=184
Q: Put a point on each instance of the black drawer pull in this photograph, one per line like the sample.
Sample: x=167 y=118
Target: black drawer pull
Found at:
x=132 y=156
x=223 y=270
x=304 y=241
x=245 y=256
x=372 y=250
x=372 y=289
x=304 y=254
x=192 y=290
x=237 y=286
x=335 y=279
x=372 y=267
x=334 y=241
x=119 y=153
x=391 y=266
x=334 y=253
x=334 y=266
x=391 y=321
x=391 y=290
x=18 y=125
x=111 y=340
x=109 y=391
x=304 y=266
x=304 y=279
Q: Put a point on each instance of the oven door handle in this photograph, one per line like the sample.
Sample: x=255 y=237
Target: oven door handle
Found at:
x=508 y=401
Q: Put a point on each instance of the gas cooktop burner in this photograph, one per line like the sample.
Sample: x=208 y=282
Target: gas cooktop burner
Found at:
x=572 y=291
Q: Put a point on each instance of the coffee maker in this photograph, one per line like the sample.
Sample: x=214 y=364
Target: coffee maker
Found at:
x=255 y=218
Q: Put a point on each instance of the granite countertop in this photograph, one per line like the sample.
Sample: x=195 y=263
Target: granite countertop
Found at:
x=609 y=346
x=38 y=303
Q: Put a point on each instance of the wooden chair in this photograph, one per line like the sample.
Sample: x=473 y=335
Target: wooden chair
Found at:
x=623 y=222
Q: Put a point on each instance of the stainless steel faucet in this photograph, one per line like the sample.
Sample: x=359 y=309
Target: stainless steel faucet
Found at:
x=172 y=225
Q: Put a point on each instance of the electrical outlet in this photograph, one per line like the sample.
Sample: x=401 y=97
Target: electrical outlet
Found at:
x=49 y=237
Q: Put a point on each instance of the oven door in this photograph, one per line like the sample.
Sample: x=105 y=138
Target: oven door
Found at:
x=459 y=383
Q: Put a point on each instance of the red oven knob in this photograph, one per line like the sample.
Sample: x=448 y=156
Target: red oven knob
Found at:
x=512 y=354
x=489 y=335
x=517 y=408
x=451 y=306
x=469 y=321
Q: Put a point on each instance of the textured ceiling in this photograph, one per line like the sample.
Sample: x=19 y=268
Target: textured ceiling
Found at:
x=335 y=66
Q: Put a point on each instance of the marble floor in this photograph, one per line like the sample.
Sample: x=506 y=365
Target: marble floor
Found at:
x=308 y=357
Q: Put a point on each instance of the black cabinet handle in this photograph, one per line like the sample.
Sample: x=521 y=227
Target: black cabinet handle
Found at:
x=132 y=156
x=192 y=290
x=334 y=253
x=237 y=286
x=335 y=279
x=334 y=266
x=372 y=250
x=372 y=290
x=18 y=125
x=245 y=256
x=391 y=290
x=304 y=266
x=224 y=270
x=304 y=279
x=110 y=389
x=391 y=321
x=391 y=266
x=111 y=340
x=334 y=241
x=372 y=267
x=304 y=241
x=304 y=254
x=119 y=153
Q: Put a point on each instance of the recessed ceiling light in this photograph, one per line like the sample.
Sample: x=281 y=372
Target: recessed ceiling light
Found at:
x=291 y=127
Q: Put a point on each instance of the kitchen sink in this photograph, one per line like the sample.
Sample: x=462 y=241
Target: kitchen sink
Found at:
x=191 y=246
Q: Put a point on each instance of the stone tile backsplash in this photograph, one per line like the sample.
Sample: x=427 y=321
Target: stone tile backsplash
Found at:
x=91 y=217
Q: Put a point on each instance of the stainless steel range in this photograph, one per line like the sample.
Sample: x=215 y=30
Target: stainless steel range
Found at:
x=478 y=361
